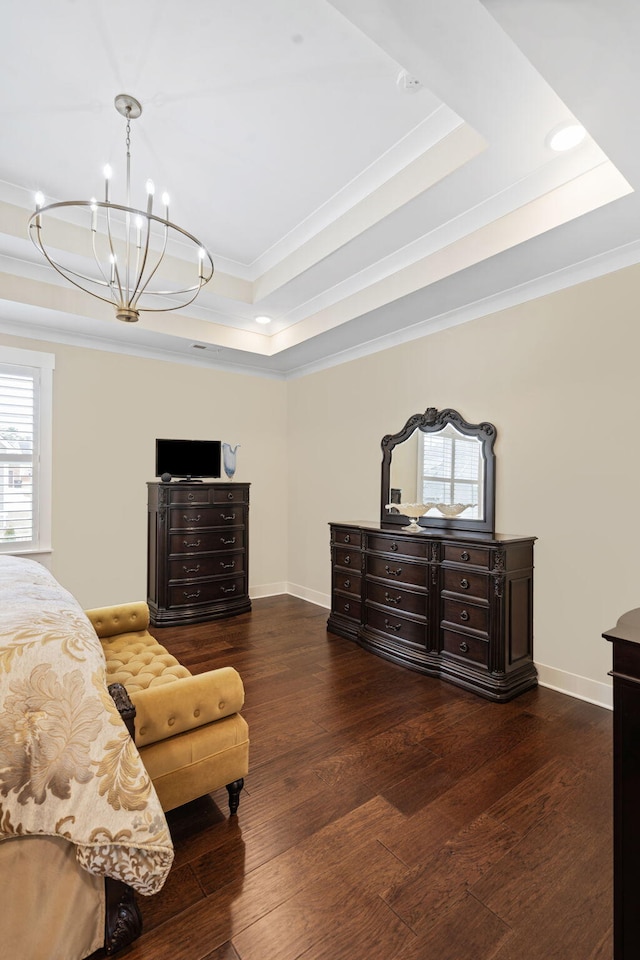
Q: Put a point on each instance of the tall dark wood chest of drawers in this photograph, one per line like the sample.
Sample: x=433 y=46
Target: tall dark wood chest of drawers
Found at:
x=625 y=638
x=198 y=551
x=454 y=605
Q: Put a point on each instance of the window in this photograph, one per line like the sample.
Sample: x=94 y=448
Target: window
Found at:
x=450 y=470
x=26 y=381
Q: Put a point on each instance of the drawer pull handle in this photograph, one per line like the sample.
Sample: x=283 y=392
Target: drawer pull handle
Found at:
x=464 y=583
x=228 y=566
x=464 y=615
x=347 y=538
x=391 y=599
x=193 y=543
x=347 y=560
x=191 y=596
x=347 y=607
x=464 y=647
x=347 y=584
x=465 y=556
x=193 y=519
x=191 y=496
x=394 y=546
x=191 y=569
x=230 y=496
x=228 y=589
x=392 y=626
x=227 y=542
x=393 y=573
x=231 y=516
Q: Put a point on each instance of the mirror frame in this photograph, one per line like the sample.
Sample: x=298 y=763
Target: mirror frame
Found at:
x=431 y=421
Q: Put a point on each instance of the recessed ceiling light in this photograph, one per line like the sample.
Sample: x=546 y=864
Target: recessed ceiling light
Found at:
x=263 y=319
x=566 y=136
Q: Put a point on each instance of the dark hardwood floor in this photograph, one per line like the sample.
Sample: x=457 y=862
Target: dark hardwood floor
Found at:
x=386 y=815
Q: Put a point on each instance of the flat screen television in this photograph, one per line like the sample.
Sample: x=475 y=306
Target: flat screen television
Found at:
x=188 y=459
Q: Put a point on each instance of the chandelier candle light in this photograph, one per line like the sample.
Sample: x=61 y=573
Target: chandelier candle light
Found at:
x=129 y=246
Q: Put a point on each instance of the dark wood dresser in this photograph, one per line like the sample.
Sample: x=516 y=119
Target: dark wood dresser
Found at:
x=198 y=551
x=453 y=605
x=625 y=638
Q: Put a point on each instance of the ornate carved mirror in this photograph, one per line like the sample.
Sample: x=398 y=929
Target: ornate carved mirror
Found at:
x=439 y=471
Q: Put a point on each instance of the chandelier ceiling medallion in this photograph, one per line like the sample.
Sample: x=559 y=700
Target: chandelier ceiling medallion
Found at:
x=131 y=258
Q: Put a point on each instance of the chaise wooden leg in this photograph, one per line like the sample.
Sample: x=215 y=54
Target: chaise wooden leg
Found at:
x=123 y=921
x=234 y=794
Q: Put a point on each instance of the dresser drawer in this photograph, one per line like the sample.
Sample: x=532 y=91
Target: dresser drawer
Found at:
x=397 y=546
x=396 y=600
x=399 y=628
x=467 y=554
x=350 y=583
x=398 y=571
x=205 y=541
x=344 y=557
x=346 y=607
x=466 y=583
x=347 y=536
x=187 y=595
x=466 y=615
x=465 y=647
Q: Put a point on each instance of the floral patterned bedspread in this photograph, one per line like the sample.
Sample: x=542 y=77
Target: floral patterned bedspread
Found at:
x=68 y=766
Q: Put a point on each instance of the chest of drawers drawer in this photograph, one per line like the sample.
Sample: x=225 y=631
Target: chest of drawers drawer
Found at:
x=208 y=591
x=396 y=600
x=398 y=571
x=190 y=568
x=205 y=541
x=196 y=518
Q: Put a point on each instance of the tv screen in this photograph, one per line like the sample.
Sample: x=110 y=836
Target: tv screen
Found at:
x=188 y=459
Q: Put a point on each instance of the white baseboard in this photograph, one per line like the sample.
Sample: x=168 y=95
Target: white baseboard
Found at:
x=571 y=684
x=593 y=691
x=268 y=590
x=302 y=593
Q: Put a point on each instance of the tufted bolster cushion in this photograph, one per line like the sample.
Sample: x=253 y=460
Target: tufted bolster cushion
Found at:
x=123 y=618
x=163 y=711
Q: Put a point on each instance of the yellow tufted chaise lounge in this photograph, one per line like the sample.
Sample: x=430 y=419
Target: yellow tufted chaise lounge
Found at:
x=188 y=728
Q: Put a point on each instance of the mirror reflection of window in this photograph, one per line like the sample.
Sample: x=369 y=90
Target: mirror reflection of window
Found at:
x=450 y=470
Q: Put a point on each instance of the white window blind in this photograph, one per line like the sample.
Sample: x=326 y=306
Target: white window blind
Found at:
x=24 y=473
x=450 y=469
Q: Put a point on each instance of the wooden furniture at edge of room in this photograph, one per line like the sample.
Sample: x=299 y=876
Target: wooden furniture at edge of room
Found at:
x=455 y=605
x=198 y=551
x=625 y=638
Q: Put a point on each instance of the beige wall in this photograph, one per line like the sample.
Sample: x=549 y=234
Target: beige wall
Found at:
x=559 y=379
x=107 y=411
x=558 y=376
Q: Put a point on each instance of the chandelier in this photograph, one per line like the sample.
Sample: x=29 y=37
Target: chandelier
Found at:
x=131 y=258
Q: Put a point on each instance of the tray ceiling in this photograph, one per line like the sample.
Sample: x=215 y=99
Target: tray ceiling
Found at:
x=362 y=171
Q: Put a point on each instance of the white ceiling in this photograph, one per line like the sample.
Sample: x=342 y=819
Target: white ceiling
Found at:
x=355 y=213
